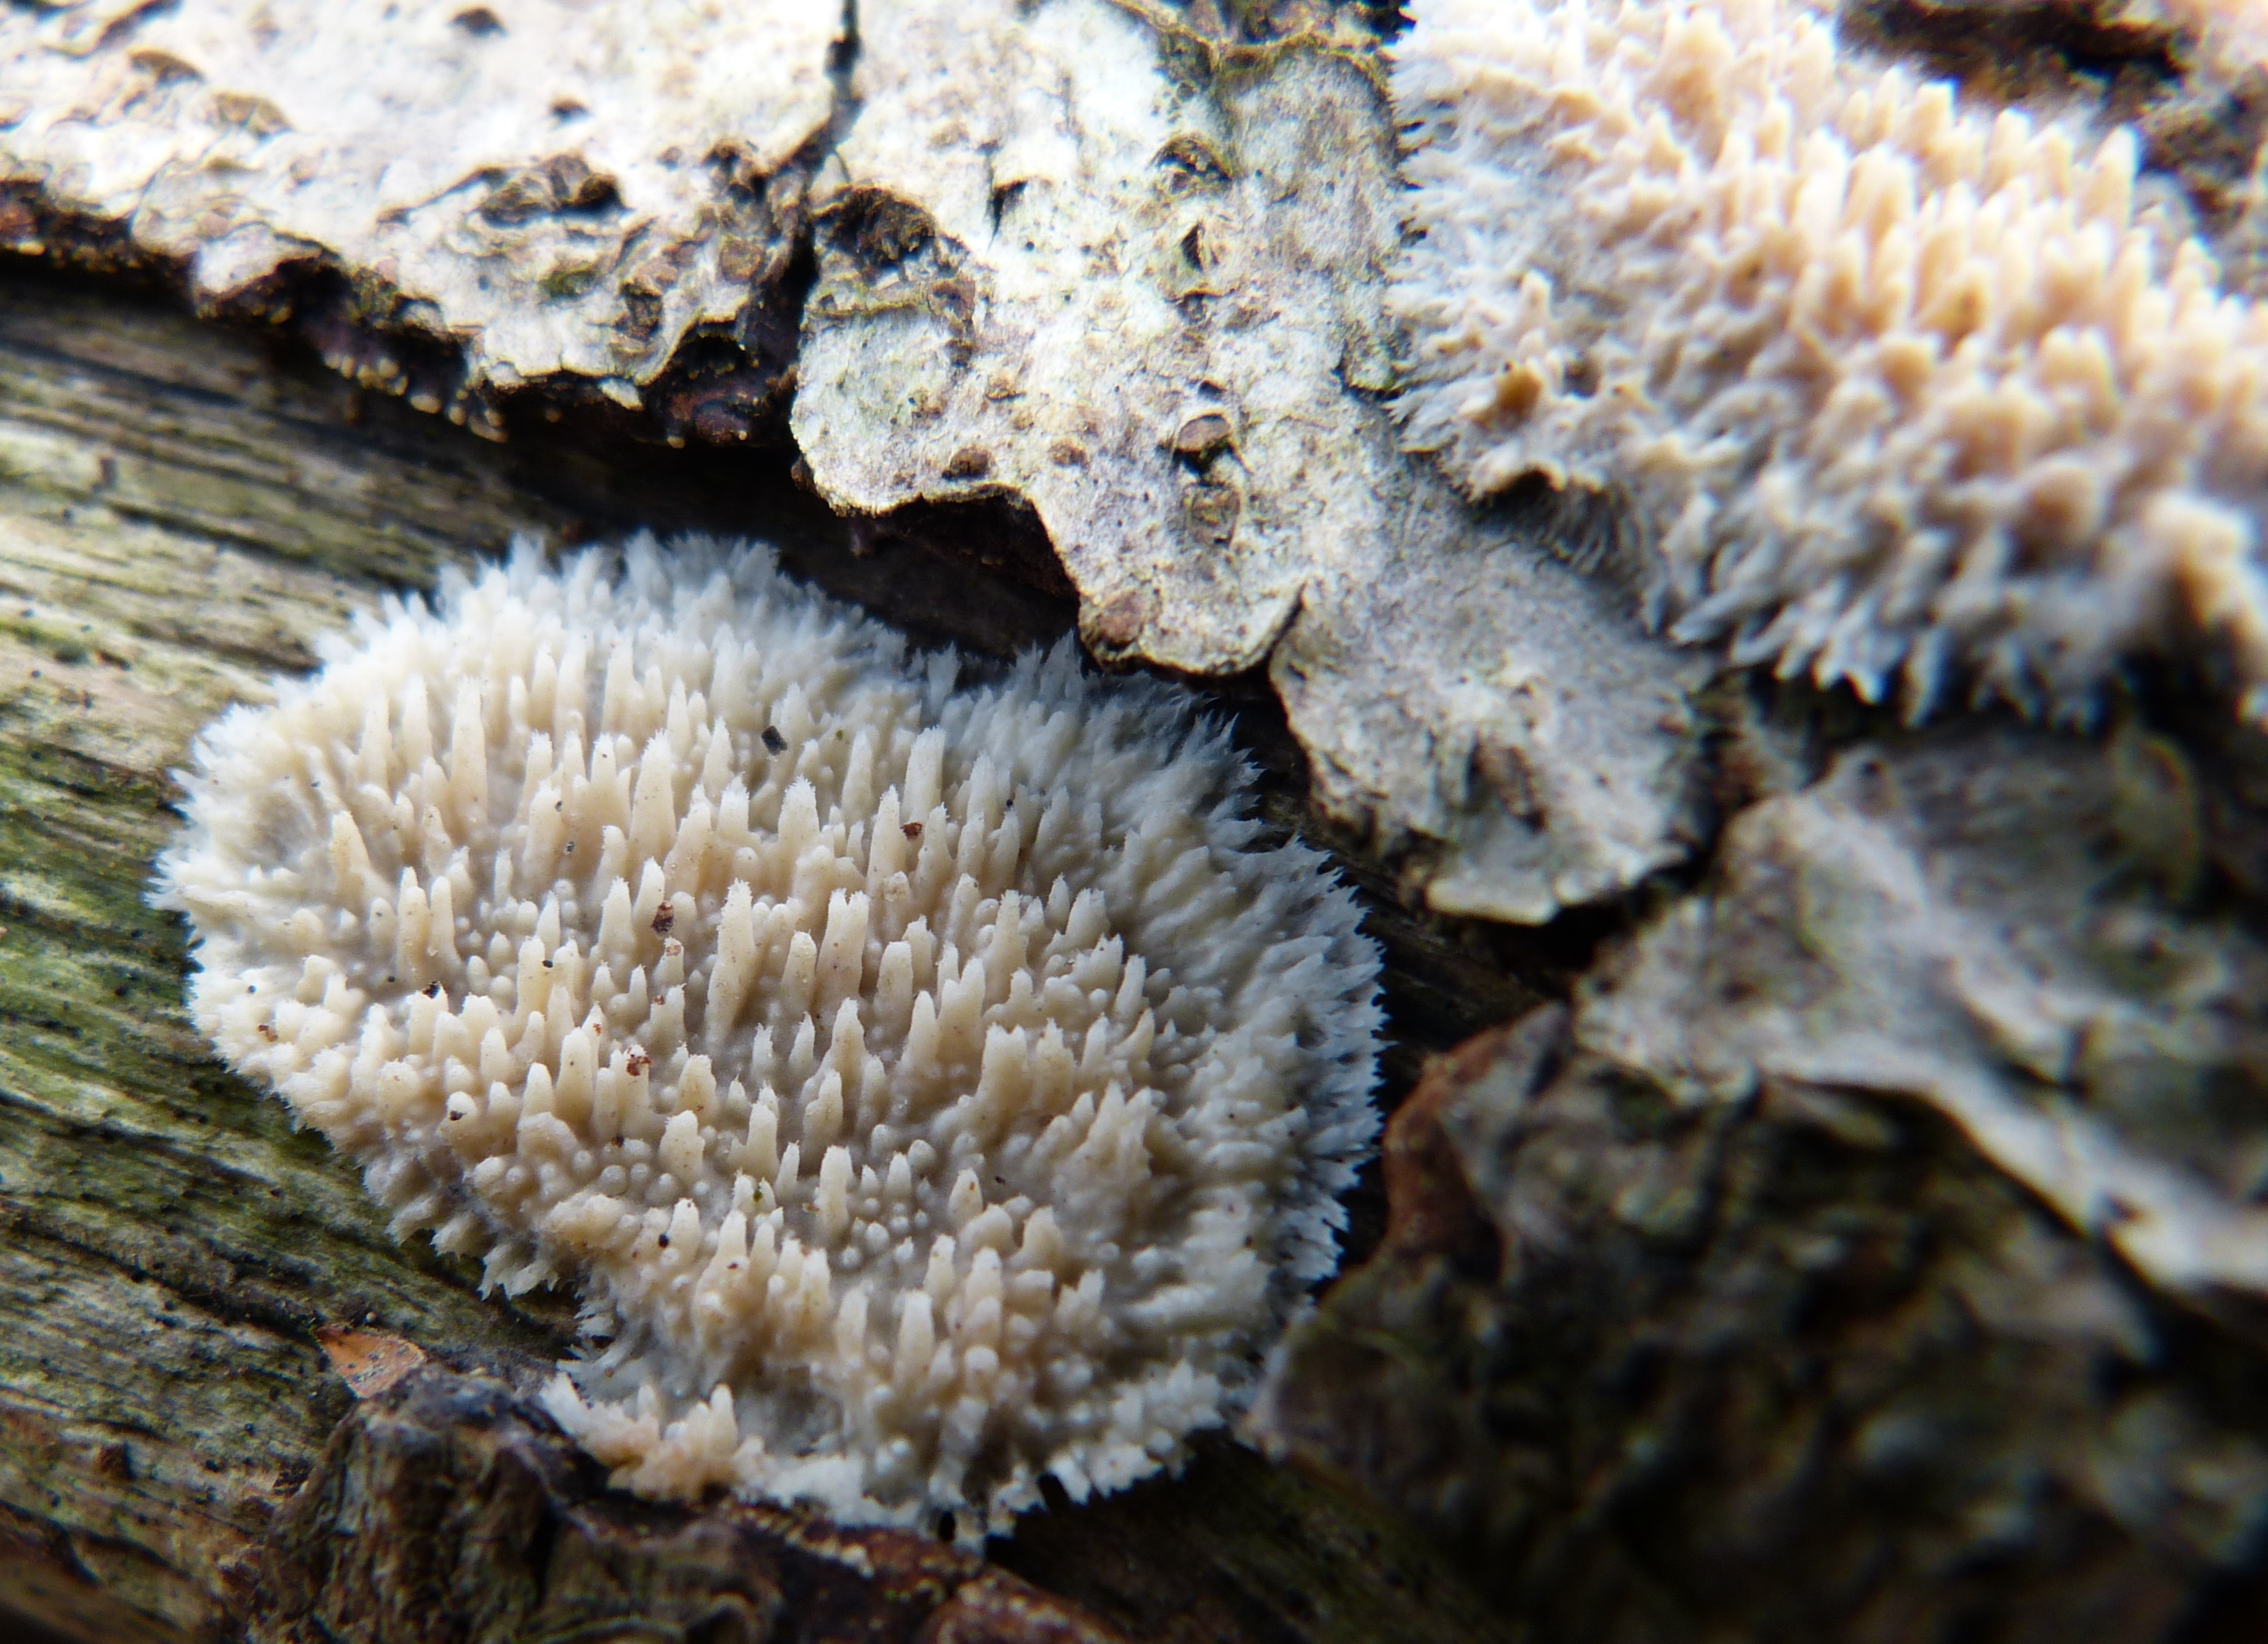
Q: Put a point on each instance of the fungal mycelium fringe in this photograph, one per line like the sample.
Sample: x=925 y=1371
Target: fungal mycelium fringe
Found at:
x=929 y=1087
x=1897 y=390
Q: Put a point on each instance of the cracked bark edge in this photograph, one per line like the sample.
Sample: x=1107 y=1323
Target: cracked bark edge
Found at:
x=1084 y=255
x=614 y=223
x=444 y=1508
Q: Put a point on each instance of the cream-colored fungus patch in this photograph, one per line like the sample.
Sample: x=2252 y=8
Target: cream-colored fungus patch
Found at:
x=928 y=1088
x=1895 y=389
x=2226 y=37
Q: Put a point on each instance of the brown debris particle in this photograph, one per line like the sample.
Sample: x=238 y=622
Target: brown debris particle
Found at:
x=255 y=114
x=1202 y=435
x=562 y=183
x=1189 y=161
x=1212 y=509
x=367 y=1360
x=664 y=916
x=1119 y=623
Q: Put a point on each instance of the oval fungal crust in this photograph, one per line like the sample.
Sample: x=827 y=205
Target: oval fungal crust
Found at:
x=928 y=1088
x=1901 y=392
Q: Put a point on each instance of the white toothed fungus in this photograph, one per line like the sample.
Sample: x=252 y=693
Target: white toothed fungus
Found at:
x=1892 y=388
x=928 y=1087
x=2226 y=37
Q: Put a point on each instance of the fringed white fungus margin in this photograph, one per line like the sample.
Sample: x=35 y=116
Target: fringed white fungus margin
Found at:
x=1893 y=390
x=928 y=1088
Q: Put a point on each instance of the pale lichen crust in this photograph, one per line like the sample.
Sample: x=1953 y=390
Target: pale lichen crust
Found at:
x=533 y=188
x=930 y=1089
x=1899 y=392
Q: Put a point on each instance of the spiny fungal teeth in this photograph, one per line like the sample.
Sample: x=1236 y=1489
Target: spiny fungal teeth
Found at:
x=926 y=1087
x=1891 y=388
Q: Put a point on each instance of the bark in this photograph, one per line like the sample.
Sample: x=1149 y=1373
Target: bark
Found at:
x=1873 y=1250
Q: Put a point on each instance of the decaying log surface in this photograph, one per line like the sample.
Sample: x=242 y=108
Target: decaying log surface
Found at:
x=1874 y=1250
x=181 y=513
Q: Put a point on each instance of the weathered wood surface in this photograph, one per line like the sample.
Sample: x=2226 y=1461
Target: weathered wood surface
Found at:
x=181 y=512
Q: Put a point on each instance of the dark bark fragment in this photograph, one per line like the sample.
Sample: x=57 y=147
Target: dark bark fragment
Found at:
x=445 y=1510
x=1800 y=1366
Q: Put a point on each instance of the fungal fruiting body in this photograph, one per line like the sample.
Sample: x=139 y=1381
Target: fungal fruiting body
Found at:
x=2226 y=37
x=928 y=1088
x=1896 y=392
